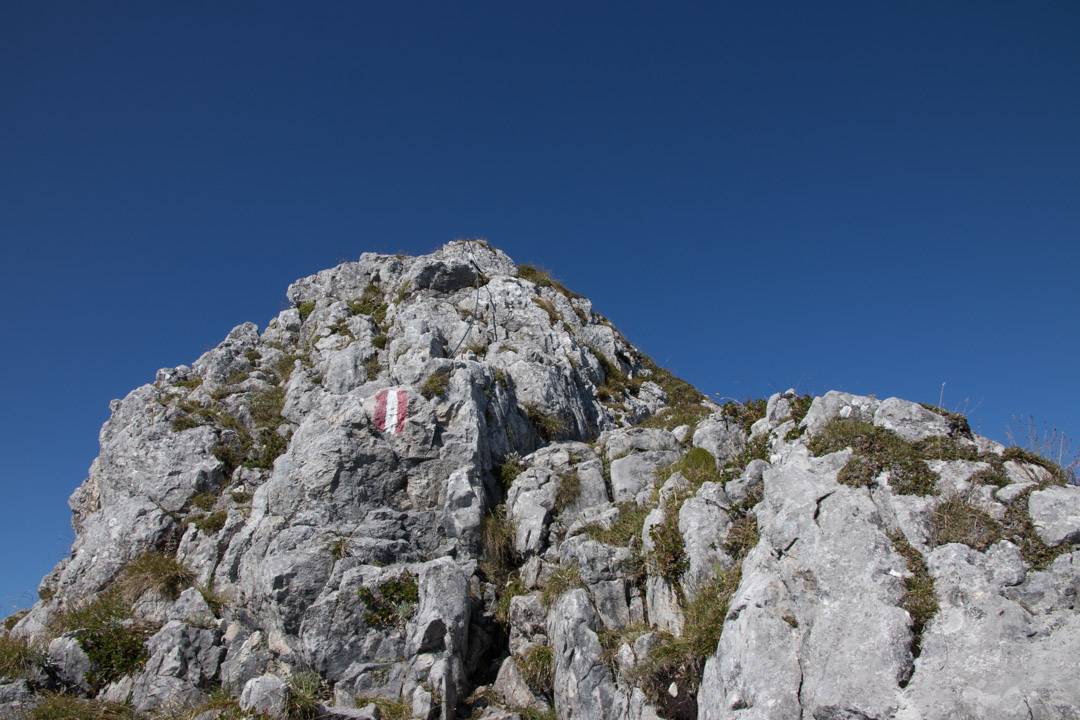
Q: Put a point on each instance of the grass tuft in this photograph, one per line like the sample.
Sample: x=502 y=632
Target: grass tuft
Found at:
x=436 y=384
x=548 y=426
x=568 y=490
x=564 y=579
x=877 y=450
x=391 y=603
x=306 y=308
x=957 y=520
x=537 y=666
x=919 y=599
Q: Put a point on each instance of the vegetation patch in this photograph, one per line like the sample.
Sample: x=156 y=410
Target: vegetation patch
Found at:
x=537 y=666
x=305 y=690
x=213 y=523
x=800 y=405
x=877 y=450
x=616 y=383
x=154 y=571
x=958 y=424
x=305 y=309
x=508 y=471
x=685 y=404
x=548 y=307
x=548 y=426
x=19 y=658
x=745 y=413
x=680 y=660
x=1018 y=528
x=957 y=520
x=625 y=528
x=391 y=603
x=697 y=465
x=542 y=278
x=190 y=383
x=436 y=384
x=388 y=709
x=1059 y=474
x=668 y=556
x=564 y=579
x=568 y=490
x=371 y=303
x=67 y=707
x=498 y=558
x=919 y=599
x=114 y=642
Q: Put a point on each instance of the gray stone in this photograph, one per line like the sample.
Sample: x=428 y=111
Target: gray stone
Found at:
x=909 y=420
x=633 y=474
x=69 y=662
x=1055 y=513
x=266 y=694
x=722 y=437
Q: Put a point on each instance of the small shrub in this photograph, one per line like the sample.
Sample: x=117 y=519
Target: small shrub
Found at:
x=625 y=529
x=213 y=523
x=548 y=426
x=537 y=666
x=305 y=690
x=19 y=658
x=562 y=580
x=370 y=303
x=339 y=548
x=956 y=520
x=115 y=644
x=154 y=571
x=992 y=475
x=508 y=471
x=306 y=308
x=436 y=384
x=391 y=603
x=67 y=707
x=919 y=599
x=379 y=340
x=568 y=490
x=341 y=327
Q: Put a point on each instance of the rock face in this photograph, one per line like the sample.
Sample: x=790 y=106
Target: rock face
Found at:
x=444 y=485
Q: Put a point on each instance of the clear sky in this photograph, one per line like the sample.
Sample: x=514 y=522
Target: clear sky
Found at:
x=870 y=196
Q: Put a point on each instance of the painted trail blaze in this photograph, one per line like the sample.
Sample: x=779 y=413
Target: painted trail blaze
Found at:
x=391 y=409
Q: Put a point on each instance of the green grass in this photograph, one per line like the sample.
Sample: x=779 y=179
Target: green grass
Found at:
x=508 y=471
x=190 y=383
x=875 y=451
x=537 y=666
x=668 y=556
x=115 y=646
x=919 y=599
x=549 y=427
x=684 y=401
x=213 y=523
x=13 y=619
x=372 y=367
x=379 y=340
x=800 y=405
x=626 y=527
x=562 y=580
x=436 y=384
x=498 y=560
x=697 y=465
x=371 y=303
x=680 y=660
x=305 y=690
x=306 y=308
x=1018 y=529
x=745 y=413
x=391 y=603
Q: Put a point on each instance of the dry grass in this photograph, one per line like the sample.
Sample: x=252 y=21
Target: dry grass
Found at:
x=919 y=600
x=537 y=666
x=19 y=658
x=876 y=451
x=563 y=580
x=957 y=520
x=568 y=490
x=626 y=527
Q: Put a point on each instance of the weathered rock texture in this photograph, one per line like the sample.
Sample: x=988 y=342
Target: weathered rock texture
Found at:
x=443 y=485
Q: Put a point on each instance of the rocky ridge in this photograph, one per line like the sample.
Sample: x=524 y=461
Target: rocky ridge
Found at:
x=445 y=486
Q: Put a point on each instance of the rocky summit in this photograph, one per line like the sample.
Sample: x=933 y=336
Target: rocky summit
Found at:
x=445 y=486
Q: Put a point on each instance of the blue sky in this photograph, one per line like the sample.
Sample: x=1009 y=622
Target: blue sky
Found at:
x=878 y=197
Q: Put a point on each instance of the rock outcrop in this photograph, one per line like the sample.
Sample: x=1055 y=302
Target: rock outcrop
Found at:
x=444 y=486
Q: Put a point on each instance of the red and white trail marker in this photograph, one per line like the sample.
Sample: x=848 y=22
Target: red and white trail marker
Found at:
x=391 y=411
